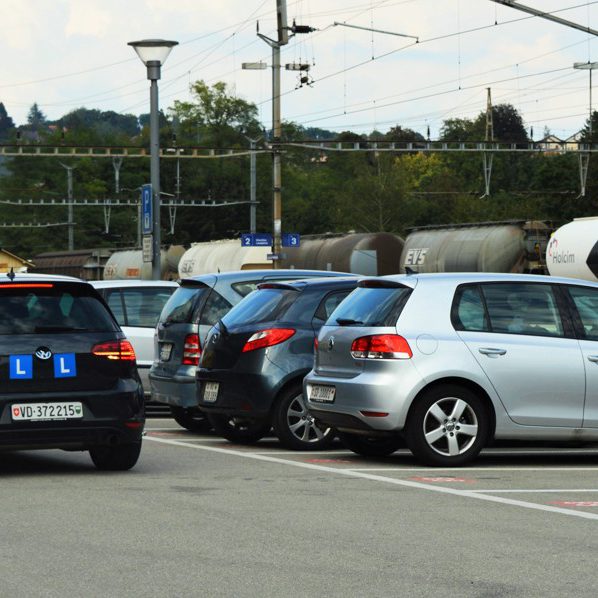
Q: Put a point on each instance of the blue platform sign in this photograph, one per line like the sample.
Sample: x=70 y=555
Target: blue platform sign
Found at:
x=291 y=239
x=256 y=240
x=147 y=209
x=262 y=239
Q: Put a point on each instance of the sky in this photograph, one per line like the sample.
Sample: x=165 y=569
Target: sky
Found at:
x=66 y=54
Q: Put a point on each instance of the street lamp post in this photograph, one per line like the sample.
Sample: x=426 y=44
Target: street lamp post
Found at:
x=588 y=66
x=153 y=53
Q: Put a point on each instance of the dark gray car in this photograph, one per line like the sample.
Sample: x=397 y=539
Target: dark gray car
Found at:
x=187 y=317
x=255 y=358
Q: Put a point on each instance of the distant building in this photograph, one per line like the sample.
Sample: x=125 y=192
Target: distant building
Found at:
x=572 y=143
x=9 y=260
x=550 y=142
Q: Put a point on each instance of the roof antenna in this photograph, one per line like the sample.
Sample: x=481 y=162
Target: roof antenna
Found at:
x=11 y=274
x=409 y=271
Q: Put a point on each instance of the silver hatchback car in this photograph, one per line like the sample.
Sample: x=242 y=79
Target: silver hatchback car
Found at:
x=449 y=362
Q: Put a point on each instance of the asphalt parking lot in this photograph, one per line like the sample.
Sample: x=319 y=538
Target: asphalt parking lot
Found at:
x=200 y=516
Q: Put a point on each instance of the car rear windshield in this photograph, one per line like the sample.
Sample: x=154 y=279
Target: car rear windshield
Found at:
x=52 y=308
x=370 y=307
x=182 y=306
x=263 y=305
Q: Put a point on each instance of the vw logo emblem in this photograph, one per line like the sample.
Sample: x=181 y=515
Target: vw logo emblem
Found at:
x=331 y=343
x=215 y=337
x=43 y=353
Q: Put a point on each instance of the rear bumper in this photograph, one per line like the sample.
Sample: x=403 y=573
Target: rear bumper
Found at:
x=109 y=417
x=243 y=395
x=389 y=392
x=178 y=390
x=78 y=437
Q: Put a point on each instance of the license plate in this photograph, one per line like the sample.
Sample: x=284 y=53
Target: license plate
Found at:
x=46 y=411
x=322 y=394
x=210 y=392
x=165 y=350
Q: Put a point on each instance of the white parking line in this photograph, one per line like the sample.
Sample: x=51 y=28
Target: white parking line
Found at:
x=466 y=469
x=306 y=453
x=386 y=480
x=538 y=491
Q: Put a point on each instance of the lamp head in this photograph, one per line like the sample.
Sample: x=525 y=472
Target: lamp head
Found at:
x=153 y=50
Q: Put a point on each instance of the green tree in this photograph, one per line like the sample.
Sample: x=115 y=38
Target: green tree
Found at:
x=36 y=119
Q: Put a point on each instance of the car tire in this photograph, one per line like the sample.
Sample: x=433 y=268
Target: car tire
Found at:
x=119 y=457
x=295 y=427
x=371 y=446
x=241 y=431
x=448 y=426
x=191 y=419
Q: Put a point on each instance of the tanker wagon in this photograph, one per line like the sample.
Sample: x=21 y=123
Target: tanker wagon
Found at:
x=515 y=246
x=573 y=250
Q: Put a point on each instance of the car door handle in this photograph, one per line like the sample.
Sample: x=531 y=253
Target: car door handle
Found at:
x=492 y=352
x=593 y=358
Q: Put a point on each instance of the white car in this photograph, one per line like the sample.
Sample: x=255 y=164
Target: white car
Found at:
x=136 y=305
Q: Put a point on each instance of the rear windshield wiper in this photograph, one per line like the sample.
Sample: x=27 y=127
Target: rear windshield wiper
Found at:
x=347 y=322
x=60 y=329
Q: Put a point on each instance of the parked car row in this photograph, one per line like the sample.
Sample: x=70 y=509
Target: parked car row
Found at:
x=185 y=321
x=441 y=363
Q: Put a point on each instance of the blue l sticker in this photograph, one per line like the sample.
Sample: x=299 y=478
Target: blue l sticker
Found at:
x=64 y=365
x=21 y=367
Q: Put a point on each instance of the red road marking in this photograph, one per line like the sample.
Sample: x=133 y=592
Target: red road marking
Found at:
x=442 y=480
x=575 y=503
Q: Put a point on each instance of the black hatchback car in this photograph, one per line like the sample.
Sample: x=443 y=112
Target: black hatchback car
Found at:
x=69 y=378
x=254 y=359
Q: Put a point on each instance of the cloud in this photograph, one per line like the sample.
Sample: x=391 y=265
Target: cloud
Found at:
x=88 y=19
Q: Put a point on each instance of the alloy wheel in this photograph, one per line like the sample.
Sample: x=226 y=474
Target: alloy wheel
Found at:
x=450 y=426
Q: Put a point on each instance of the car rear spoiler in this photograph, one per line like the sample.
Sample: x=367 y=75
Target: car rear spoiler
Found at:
x=382 y=283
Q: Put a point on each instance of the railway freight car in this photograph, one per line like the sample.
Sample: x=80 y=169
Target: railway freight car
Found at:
x=363 y=253
x=514 y=246
x=222 y=256
x=129 y=264
x=87 y=264
x=370 y=254
x=573 y=250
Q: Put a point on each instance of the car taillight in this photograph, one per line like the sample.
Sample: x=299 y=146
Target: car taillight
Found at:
x=115 y=350
x=316 y=343
x=381 y=346
x=191 y=350
x=268 y=338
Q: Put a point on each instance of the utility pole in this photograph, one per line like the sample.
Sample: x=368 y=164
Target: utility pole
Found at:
x=489 y=119
x=276 y=45
x=69 y=195
x=252 y=185
x=488 y=156
x=283 y=39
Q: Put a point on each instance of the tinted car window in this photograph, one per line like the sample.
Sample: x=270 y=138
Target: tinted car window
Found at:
x=469 y=312
x=586 y=302
x=143 y=306
x=523 y=309
x=329 y=304
x=115 y=303
x=214 y=308
x=380 y=306
x=262 y=306
x=181 y=308
x=244 y=288
x=52 y=309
